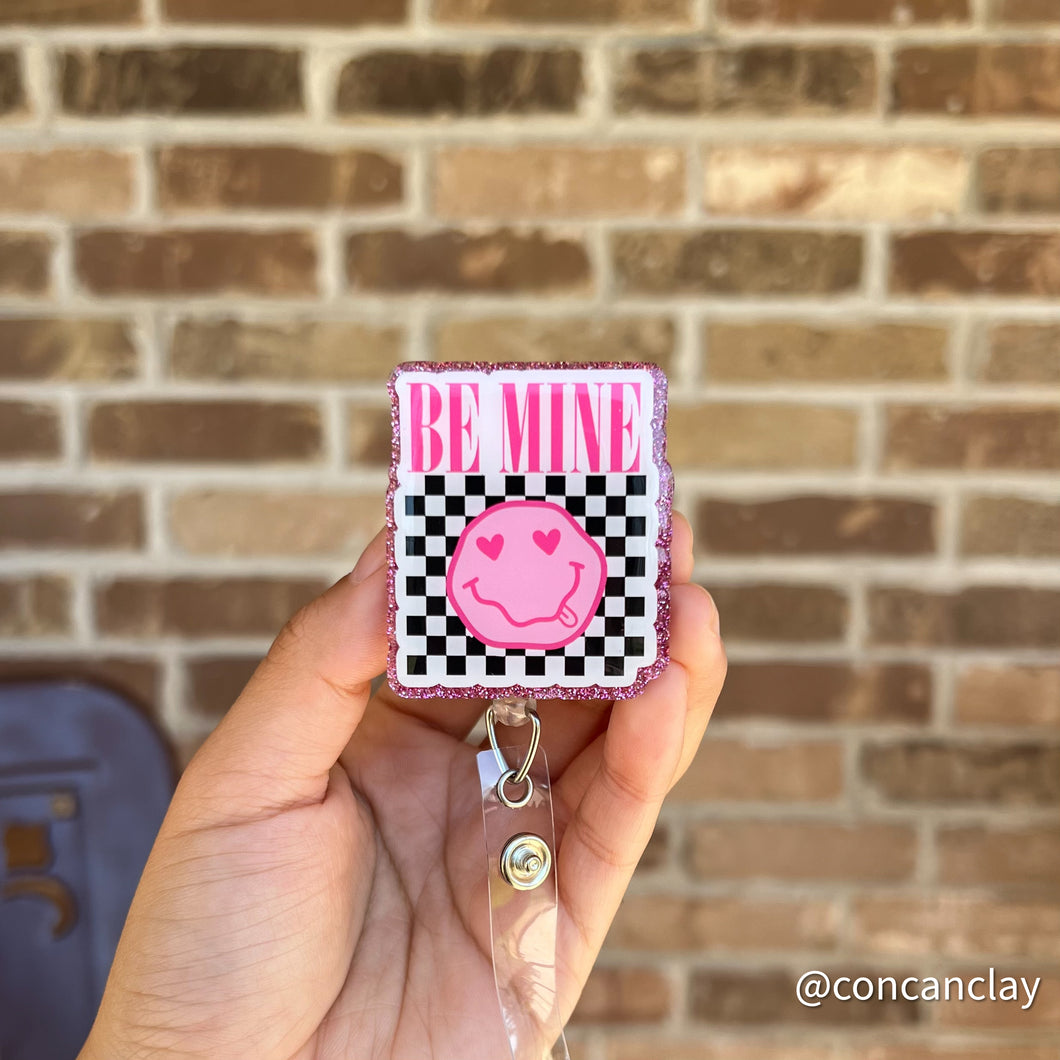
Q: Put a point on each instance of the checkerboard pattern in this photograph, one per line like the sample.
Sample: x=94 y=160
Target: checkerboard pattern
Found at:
x=434 y=646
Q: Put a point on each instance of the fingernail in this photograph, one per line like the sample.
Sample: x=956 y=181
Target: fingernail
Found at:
x=372 y=559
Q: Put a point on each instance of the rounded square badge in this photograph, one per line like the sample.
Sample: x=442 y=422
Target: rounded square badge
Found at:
x=529 y=529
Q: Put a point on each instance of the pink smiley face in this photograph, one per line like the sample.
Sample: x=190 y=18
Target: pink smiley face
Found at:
x=525 y=575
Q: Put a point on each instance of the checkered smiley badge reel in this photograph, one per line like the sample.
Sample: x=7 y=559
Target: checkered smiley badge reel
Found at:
x=528 y=556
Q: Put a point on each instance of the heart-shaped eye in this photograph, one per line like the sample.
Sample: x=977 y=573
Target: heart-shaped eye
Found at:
x=547 y=542
x=491 y=546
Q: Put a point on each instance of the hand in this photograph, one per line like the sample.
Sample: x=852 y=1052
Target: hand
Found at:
x=308 y=895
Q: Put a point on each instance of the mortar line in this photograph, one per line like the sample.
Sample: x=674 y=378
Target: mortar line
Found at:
x=853 y=129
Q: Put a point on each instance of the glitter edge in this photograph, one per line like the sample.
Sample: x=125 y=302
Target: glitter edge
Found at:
x=664 y=506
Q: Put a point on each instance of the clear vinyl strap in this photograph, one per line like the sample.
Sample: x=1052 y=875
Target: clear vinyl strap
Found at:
x=520 y=844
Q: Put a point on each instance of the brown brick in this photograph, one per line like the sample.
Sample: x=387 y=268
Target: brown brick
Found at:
x=624 y=1047
x=1004 y=264
x=887 y=526
x=181 y=80
x=215 y=682
x=338 y=13
x=134 y=677
x=756 y=997
x=737 y=770
x=246 y=523
x=1021 y=353
x=594 y=12
x=737 y=261
x=827 y=692
x=1020 y=180
x=67 y=349
x=937 y=772
x=196 y=261
x=12 y=88
x=25 y=263
x=1025 y=11
x=200 y=607
x=624 y=995
x=1016 y=695
x=757 y=79
x=973 y=855
x=844 y=11
x=205 y=431
x=970 y=80
x=641 y=338
x=942 y=1051
x=57 y=12
x=71 y=182
x=1044 y=1015
x=29 y=431
x=741 y=436
x=802 y=851
x=679 y=923
x=956 y=926
x=835 y=182
x=993 y=437
x=792 y=351
x=532 y=181
x=201 y=177
x=777 y=612
x=498 y=261
x=1009 y=526
x=71 y=519
x=34 y=606
x=289 y=350
x=983 y=616
x=368 y=436
x=472 y=84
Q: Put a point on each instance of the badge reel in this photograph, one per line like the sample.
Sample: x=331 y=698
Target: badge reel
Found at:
x=529 y=544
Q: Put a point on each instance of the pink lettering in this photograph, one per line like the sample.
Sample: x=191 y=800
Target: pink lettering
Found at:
x=590 y=424
x=460 y=427
x=556 y=427
x=620 y=426
x=423 y=432
x=517 y=427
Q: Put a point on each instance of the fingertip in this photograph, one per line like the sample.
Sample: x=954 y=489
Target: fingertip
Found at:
x=682 y=559
x=696 y=607
x=695 y=634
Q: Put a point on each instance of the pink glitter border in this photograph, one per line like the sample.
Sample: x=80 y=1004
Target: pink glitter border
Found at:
x=662 y=542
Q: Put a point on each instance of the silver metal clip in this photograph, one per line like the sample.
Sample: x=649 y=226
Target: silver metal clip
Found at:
x=521 y=775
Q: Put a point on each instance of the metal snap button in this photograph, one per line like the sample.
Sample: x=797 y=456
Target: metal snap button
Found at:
x=526 y=861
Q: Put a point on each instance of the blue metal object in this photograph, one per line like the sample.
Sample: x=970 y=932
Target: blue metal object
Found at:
x=84 y=784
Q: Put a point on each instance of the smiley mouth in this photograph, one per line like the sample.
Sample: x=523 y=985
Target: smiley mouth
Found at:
x=563 y=614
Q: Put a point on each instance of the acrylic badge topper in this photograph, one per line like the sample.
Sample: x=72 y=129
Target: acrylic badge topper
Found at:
x=529 y=517
x=529 y=555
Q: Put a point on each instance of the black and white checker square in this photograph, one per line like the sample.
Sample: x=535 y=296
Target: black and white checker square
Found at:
x=434 y=646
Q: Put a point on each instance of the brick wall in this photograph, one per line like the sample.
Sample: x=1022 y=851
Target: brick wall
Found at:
x=834 y=222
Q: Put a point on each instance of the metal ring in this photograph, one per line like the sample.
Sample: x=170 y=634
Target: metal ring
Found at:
x=522 y=773
x=512 y=777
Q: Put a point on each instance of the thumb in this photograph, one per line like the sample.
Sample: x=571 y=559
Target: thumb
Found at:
x=277 y=745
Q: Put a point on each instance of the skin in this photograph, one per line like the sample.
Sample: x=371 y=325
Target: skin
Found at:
x=315 y=889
